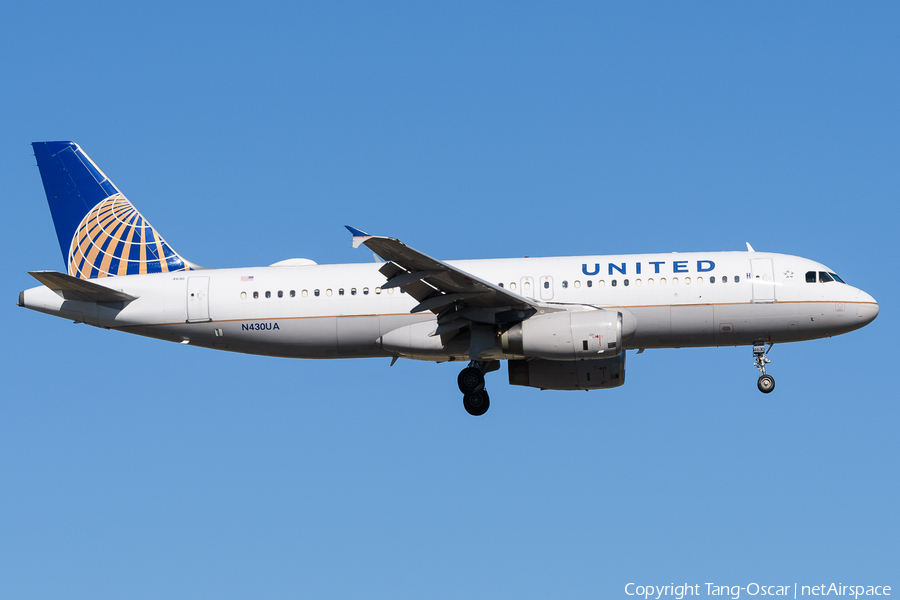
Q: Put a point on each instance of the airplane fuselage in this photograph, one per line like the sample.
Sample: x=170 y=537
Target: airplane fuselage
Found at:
x=340 y=311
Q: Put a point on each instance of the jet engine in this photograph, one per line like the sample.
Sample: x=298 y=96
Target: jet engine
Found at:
x=568 y=374
x=570 y=335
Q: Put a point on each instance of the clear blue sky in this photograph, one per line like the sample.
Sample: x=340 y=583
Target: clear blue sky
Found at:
x=252 y=132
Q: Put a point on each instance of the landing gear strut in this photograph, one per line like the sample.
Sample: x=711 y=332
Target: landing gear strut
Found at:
x=471 y=383
x=765 y=383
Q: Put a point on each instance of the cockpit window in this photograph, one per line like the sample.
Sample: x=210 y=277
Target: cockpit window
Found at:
x=824 y=277
x=836 y=278
x=810 y=277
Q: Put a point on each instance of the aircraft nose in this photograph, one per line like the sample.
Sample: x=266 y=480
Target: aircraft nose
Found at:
x=866 y=308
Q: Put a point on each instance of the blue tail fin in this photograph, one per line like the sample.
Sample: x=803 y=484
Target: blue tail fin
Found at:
x=101 y=234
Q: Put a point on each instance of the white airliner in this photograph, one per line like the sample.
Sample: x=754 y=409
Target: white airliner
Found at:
x=561 y=323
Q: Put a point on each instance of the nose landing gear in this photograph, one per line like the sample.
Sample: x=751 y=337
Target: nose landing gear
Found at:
x=471 y=383
x=765 y=383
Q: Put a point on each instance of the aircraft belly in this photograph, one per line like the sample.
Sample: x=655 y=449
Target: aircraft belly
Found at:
x=357 y=335
x=653 y=327
x=692 y=325
x=740 y=323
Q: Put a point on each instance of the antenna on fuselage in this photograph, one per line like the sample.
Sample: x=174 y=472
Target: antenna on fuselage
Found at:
x=749 y=247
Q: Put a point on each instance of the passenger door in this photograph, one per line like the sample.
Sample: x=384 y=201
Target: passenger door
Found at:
x=198 y=299
x=763 y=277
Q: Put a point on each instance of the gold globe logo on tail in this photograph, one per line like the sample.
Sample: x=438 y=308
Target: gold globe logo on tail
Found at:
x=114 y=239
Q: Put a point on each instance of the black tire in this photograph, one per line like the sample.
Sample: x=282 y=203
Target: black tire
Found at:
x=470 y=380
x=766 y=383
x=477 y=404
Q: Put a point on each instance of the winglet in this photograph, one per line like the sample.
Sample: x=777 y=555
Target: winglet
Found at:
x=749 y=247
x=359 y=236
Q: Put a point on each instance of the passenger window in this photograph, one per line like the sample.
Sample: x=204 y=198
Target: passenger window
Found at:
x=724 y=278
x=501 y=285
x=637 y=282
x=243 y=295
x=614 y=283
x=565 y=284
x=824 y=277
x=341 y=292
x=352 y=291
x=650 y=281
x=662 y=281
x=280 y=294
x=810 y=277
x=737 y=278
x=378 y=290
x=712 y=279
x=512 y=286
x=255 y=295
x=328 y=292
x=304 y=293
x=527 y=285
x=601 y=283
x=365 y=291
x=293 y=294
x=589 y=283
x=674 y=281
x=698 y=280
x=625 y=282
x=316 y=293
x=546 y=285
x=578 y=284
x=687 y=281
x=390 y=290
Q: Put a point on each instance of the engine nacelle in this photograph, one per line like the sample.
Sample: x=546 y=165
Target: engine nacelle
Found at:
x=569 y=335
x=568 y=374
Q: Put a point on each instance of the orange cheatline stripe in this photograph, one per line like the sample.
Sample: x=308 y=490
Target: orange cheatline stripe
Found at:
x=273 y=319
x=425 y=313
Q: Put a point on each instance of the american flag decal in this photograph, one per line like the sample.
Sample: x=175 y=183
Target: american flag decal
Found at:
x=246 y=277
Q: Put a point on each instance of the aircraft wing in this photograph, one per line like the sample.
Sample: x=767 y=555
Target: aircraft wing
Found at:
x=457 y=297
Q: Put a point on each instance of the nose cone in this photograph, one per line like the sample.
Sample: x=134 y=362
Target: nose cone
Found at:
x=866 y=308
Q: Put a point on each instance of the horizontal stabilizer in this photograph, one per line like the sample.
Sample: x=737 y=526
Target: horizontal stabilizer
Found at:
x=81 y=290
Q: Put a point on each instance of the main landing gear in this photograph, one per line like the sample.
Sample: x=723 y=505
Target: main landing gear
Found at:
x=471 y=383
x=765 y=383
